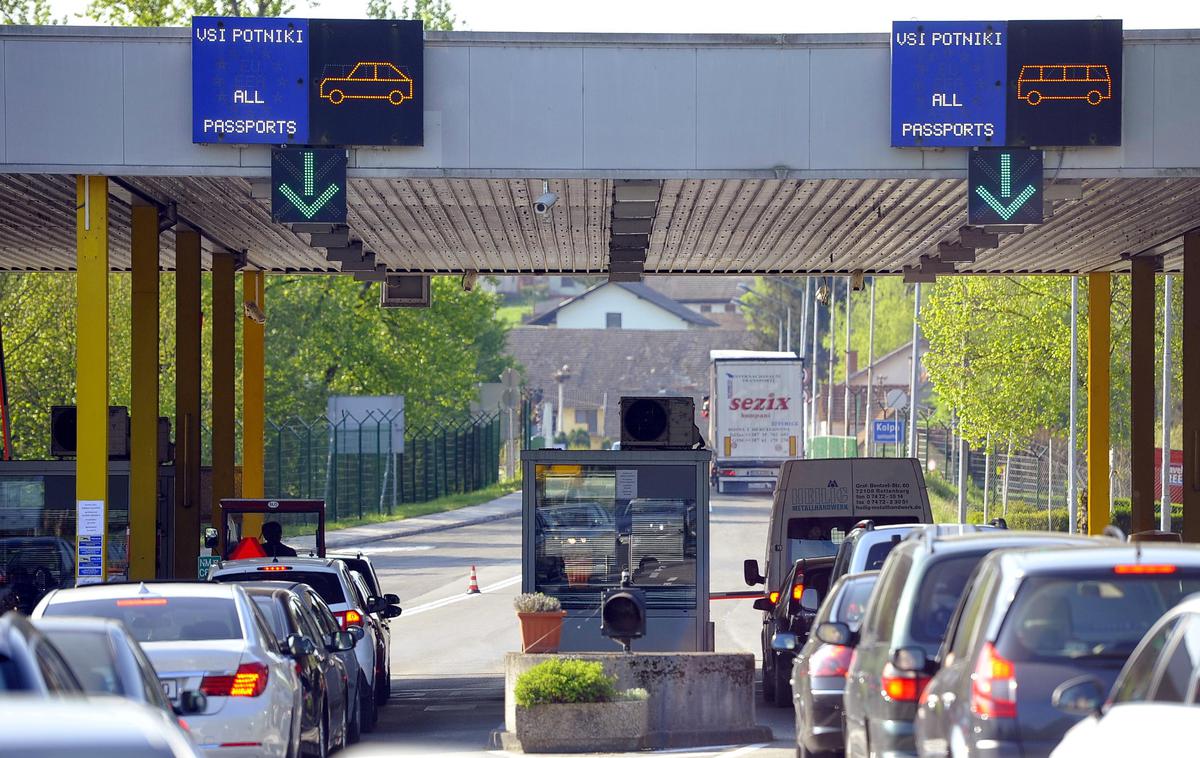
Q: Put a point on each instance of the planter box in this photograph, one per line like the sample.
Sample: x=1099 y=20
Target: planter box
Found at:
x=541 y=632
x=583 y=727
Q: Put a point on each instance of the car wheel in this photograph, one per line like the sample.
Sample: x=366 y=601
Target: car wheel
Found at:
x=768 y=678
x=783 y=686
x=366 y=706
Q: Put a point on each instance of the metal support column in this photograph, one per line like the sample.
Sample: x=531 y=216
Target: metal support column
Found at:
x=1191 y=400
x=1141 y=394
x=143 y=391
x=1099 y=327
x=912 y=383
x=91 y=366
x=223 y=403
x=870 y=413
x=816 y=330
x=1164 y=518
x=1073 y=405
x=254 y=391
x=846 y=394
x=185 y=531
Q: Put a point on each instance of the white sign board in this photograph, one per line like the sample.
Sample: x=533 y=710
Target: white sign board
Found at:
x=758 y=409
x=89 y=540
x=367 y=420
x=627 y=484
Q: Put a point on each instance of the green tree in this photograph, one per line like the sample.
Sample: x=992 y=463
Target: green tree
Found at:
x=28 y=12
x=437 y=14
x=178 y=12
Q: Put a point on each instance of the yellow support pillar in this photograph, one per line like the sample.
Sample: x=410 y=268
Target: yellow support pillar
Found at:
x=253 y=392
x=143 y=454
x=185 y=531
x=223 y=438
x=1098 y=399
x=91 y=377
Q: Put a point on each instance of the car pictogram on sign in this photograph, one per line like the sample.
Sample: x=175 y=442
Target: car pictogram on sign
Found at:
x=1092 y=83
x=368 y=80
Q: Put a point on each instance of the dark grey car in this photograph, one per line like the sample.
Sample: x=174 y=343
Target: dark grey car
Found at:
x=819 y=669
x=910 y=608
x=1033 y=620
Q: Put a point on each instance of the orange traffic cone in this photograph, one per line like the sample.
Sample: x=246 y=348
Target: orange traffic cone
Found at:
x=473 y=587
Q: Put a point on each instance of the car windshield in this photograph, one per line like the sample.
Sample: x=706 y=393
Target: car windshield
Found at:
x=162 y=619
x=1099 y=615
x=853 y=603
x=937 y=597
x=90 y=656
x=324 y=582
x=878 y=553
x=815 y=537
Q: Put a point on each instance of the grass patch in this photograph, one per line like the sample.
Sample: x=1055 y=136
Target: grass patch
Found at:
x=514 y=315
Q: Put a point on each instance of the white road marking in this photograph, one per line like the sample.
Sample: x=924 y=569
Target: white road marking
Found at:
x=434 y=605
x=394 y=549
x=743 y=750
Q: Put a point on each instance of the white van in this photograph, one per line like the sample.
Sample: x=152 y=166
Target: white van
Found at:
x=817 y=503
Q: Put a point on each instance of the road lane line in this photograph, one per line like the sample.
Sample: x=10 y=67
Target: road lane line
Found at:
x=743 y=751
x=434 y=605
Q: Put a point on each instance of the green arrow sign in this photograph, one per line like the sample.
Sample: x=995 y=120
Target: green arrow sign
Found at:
x=295 y=175
x=991 y=176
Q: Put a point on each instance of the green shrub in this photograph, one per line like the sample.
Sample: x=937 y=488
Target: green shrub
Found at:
x=565 y=680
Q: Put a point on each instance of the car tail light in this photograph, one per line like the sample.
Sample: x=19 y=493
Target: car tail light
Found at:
x=1144 y=568
x=274 y=567
x=797 y=590
x=184 y=725
x=728 y=472
x=994 y=686
x=902 y=686
x=830 y=660
x=348 y=619
x=773 y=596
x=250 y=680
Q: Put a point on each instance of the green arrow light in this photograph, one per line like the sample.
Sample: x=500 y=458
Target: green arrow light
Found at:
x=309 y=209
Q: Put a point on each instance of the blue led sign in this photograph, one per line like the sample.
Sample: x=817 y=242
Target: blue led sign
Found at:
x=948 y=83
x=250 y=80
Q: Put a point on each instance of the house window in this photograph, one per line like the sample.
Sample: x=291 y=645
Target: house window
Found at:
x=730 y=308
x=590 y=419
x=612 y=320
x=706 y=308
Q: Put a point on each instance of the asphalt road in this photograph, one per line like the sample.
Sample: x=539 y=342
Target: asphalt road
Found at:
x=448 y=647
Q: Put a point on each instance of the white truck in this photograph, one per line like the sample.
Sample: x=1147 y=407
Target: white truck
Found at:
x=755 y=416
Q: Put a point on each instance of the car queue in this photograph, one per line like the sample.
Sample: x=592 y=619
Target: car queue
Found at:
x=269 y=657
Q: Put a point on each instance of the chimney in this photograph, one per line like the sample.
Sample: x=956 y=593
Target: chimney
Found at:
x=851 y=363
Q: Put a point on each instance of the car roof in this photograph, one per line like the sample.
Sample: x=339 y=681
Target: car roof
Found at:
x=273 y=586
x=29 y=721
x=128 y=589
x=1050 y=560
x=306 y=562
x=995 y=539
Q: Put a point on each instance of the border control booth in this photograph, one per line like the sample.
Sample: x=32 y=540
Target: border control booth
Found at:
x=590 y=515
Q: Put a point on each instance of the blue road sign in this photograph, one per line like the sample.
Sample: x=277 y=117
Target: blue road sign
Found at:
x=89 y=570
x=94 y=540
x=888 y=431
x=250 y=80
x=948 y=83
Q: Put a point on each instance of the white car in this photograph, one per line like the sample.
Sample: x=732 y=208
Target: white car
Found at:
x=1154 y=705
x=208 y=638
x=332 y=581
x=96 y=727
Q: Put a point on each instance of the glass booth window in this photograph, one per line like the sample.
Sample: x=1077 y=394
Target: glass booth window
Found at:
x=584 y=538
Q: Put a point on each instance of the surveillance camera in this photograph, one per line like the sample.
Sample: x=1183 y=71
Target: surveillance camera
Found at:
x=543 y=204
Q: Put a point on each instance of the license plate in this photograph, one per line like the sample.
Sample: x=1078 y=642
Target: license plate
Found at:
x=760 y=486
x=170 y=688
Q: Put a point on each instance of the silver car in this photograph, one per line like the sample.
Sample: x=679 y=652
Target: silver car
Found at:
x=96 y=727
x=209 y=638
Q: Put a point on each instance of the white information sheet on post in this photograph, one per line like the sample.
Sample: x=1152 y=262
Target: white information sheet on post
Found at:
x=89 y=536
x=627 y=487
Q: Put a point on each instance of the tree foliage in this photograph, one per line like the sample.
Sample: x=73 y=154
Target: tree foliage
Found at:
x=27 y=12
x=437 y=14
x=178 y=12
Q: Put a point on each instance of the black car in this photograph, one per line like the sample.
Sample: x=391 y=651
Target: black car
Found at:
x=325 y=697
x=895 y=652
x=790 y=611
x=29 y=662
x=1033 y=620
x=329 y=626
x=819 y=669
x=387 y=607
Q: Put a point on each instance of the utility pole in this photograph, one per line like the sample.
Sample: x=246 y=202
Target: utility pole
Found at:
x=987 y=475
x=1072 y=488
x=962 y=474
x=871 y=373
x=816 y=323
x=1164 y=517
x=829 y=383
x=912 y=384
x=804 y=407
x=846 y=396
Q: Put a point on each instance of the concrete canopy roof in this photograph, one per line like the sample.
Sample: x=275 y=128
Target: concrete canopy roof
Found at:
x=751 y=183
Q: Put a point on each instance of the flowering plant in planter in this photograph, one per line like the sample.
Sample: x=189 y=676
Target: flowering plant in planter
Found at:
x=541 y=618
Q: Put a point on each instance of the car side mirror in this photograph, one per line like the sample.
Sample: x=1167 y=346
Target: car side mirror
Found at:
x=784 y=642
x=392 y=598
x=810 y=600
x=357 y=632
x=211 y=538
x=909 y=659
x=299 y=646
x=750 y=572
x=1081 y=696
x=392 y=611
x=340 y=642
x=377 y=605
x=763 y=604
x=192 y=701
x=835 y=633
